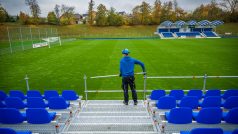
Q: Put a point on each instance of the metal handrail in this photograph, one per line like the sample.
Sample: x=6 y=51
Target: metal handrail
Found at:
x=205 y=77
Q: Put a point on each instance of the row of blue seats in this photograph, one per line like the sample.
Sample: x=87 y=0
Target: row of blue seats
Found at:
x=169 y=102
x=32 y=116
x=210 y=34
x=11 y=131
x=188 y=34
x=209 y=131
x=167 y=34
x=67 y=94
x=179 y=94
x=35 y=102
x=185 y=115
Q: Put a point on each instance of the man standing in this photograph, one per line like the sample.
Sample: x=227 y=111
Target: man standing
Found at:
x=127 y=73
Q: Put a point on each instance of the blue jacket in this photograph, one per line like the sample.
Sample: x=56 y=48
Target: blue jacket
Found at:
x=127 y=66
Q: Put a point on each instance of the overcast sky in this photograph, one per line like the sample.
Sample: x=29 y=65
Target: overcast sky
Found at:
x=81 y=6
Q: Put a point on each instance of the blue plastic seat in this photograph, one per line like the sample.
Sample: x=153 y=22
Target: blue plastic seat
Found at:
x=156 y=94
x=231 y=116
x=39 y=116
x=14 y=102
x=211 y=101
x=50 y=93
x=3 y=95
x=166 y=102
x=11 y=116
x=11 y=131
x=2 y=104
x=58 y=103
x=36 y=102
x=212 y=115
x=34 y=93
x=179 y=115
x=203 y=131
x=69 y=95
x=17 y=93
x=230 y=92
x=195 y=92
x=213 y=92
x=231 y=102
x=177 y=93
x=189 y=101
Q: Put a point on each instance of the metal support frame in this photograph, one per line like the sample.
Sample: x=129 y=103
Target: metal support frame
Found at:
x=9 y=39
x=27 y=83
x=205 y=77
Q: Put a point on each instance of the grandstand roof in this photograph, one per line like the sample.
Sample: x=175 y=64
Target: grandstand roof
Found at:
x=166 y=23
x=217 y=22
x=204 y=23
x=179 y=23
x=192 y=22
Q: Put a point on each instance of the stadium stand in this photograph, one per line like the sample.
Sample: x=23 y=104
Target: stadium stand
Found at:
x=36 y=102
x=177 y=93
x=211 y=101
x=213 y=92
x=50 y=93
x=230 y=92
x=3 y=95
x=179 y=115
x=167 y=34
x=157 y=94
x=190 y=29
x=15 y=102
x=17 y=93
x=70 y=95
x=34 y=93
x=231 y=102
x=203 y=131
x=166 y=102
x=11 y=131
x=195 y=92
x=189 y=101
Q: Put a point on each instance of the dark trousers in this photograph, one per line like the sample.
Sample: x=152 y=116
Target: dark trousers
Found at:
x=131 y=82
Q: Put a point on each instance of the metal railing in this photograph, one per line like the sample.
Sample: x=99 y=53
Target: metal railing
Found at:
x=204 y=77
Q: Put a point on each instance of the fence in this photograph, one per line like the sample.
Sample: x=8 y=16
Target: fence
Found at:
x=23 y=38
x=144 y=91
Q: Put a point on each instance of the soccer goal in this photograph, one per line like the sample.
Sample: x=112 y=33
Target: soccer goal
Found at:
x=23 y=38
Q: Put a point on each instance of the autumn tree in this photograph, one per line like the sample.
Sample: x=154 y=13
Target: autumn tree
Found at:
x=35 y=10
x=156 y=13
x=3 y=14
x=23 y=18
x=67 y=15
x=145 y=10
x=114 y=19
x=90 y=12
x=52 y=19
x=101 y=16
x=57 y=13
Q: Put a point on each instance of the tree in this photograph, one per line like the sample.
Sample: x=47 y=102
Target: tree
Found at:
x=145 y=13
x=156 y=13
x=136 y=15
x=23 y=18
x=3 y=14
x=35 y=10
x=101 y=16
x=114 y=19
x=90 y=12
x=57 y=13
x=51 y=17
x=67 y=15
x=231 y=7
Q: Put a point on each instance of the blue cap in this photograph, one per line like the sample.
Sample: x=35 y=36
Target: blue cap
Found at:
x=125 y=51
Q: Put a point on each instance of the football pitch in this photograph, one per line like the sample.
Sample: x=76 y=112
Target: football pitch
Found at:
x=63 y=67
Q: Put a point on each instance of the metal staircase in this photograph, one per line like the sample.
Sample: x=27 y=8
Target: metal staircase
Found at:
x=111 y=117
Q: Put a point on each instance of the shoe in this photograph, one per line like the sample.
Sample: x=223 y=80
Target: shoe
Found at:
x=135 y=103
x=126 y=103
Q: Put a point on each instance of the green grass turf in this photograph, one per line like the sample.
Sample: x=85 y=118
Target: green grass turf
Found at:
x=63 y=67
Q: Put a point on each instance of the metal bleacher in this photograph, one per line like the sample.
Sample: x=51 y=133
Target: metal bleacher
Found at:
x=112 y=117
